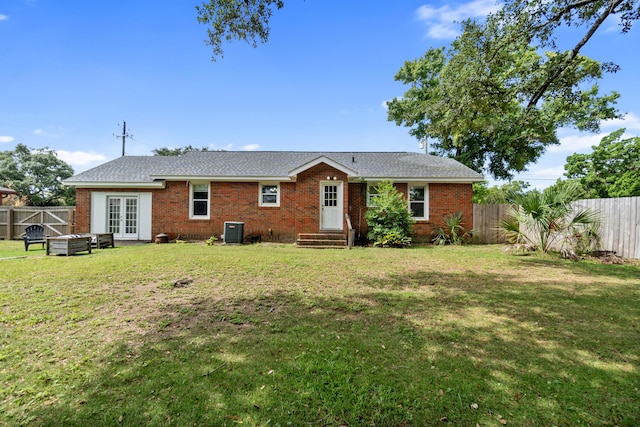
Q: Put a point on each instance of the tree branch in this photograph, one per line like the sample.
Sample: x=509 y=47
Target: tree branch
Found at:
x=573 y=54
x=568 y=8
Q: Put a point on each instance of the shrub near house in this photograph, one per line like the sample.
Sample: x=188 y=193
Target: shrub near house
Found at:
x=390 y=221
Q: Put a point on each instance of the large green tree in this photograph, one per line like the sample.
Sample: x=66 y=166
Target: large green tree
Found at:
x=612 y=169
x=496 y=97
x=36 y=174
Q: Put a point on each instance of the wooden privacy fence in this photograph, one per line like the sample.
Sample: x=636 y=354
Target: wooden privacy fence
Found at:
x=485 y=223
x=57 y=220
x=620 y=230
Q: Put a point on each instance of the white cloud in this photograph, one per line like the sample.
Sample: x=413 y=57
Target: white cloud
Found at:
x=4 y=17
x=442 y=22
x=80 y=158
x=582 y=142
x=629 y=121
x=6 y=139
x=214 y=147
x=577 y=142
x=50 y=132
x=251 y=147
x=546 y=173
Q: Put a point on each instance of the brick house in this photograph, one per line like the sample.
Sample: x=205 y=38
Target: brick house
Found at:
x=277 y=196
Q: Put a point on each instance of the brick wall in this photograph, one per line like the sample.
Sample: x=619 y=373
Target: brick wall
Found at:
x=356 y=209
x=299 y=210
x=444 y=199
x=83 y=210
x=307 y=196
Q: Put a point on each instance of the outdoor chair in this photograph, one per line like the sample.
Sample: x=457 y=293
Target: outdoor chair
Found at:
x=34 y=234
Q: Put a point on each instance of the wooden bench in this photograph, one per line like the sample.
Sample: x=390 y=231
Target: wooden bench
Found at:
x=34 y=234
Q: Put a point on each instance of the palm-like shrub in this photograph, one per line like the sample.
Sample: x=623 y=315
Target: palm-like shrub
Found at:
x=546 y=220
x=389 y=219
x=452 y=232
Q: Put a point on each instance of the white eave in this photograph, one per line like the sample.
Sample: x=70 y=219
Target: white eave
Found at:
x=222 y=178
x=440 y=179
x=102 y=184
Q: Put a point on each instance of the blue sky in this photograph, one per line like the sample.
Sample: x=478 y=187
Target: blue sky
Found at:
x=71 y=72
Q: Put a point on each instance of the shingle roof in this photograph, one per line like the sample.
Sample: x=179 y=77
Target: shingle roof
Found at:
x=243 y=165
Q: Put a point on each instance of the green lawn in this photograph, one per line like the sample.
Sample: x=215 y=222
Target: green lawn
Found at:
x=271 y=335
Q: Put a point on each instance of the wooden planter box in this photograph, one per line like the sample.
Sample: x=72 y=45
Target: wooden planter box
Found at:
x=68 y=245
x=101 y=240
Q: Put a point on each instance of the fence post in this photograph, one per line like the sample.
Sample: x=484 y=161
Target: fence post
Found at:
x=72 y=220
x=10 y=224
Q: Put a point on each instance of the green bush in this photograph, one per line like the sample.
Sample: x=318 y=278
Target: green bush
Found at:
x=389 y=219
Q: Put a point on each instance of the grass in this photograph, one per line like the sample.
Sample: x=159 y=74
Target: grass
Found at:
x=261 y=335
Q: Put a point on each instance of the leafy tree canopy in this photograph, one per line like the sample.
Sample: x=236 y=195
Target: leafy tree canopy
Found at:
x=495 y=98
x=248 y=20
x=165 y=151
x=498 y=194
x=612 y=169
x=36 y=174
x=244 y=20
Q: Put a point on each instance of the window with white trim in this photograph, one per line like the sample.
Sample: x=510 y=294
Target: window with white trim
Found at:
x=372 y=191
x=199 y=201
x=269 y=194
x=419 y=201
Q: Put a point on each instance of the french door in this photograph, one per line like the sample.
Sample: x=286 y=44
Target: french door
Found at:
x=122 y=216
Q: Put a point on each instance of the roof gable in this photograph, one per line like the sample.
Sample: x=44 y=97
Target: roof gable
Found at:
x=326 y=160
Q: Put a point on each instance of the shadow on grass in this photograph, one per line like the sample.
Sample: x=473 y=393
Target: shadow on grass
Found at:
x=586 y=267
x=421 y=348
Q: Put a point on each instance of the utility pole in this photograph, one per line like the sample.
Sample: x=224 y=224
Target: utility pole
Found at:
x=424 y=145
x=124 y=135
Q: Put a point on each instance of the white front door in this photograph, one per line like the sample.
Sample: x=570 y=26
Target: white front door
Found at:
x=331 y=205
x=122 y=217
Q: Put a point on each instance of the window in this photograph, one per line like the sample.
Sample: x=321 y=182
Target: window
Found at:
x=199 y=206
x=269 y=195
x=418 y=201
x=372 y=191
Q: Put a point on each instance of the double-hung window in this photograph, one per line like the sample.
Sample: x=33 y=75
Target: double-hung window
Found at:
x=269 y=194
x=199 y=201
x=419 y=201
x=372 y=191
